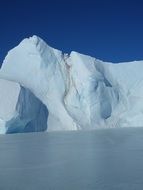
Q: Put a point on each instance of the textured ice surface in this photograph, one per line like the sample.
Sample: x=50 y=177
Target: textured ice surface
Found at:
x=79 y=91
x=98 y=160
x=9 y=93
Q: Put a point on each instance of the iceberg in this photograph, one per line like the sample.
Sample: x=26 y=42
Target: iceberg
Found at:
x=43 y=89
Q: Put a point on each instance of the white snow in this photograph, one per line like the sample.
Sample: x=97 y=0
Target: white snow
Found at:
x=79 y=91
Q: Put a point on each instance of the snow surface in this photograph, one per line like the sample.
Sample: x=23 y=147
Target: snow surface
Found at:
x=79 y=91
x=93 y=160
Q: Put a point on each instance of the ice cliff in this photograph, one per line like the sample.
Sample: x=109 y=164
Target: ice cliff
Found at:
x=43 y=89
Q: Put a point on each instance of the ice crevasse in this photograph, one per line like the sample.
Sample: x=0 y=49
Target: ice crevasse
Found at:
x=43 y=89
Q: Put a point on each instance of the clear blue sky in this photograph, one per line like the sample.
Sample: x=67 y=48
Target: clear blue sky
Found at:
x=106 y=29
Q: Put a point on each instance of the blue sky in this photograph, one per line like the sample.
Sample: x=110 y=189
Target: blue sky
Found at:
x=106 y=29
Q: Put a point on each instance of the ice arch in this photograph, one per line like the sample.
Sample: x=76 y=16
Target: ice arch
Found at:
x=31 y=115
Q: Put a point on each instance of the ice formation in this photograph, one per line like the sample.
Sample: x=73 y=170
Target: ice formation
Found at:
x=20 y=110
x=55 y=91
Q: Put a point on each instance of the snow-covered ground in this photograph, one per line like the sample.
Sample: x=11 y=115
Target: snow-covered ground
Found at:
x=78 y=91
x=109 y=159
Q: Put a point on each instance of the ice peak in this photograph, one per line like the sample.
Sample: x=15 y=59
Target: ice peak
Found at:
x=35 y=39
